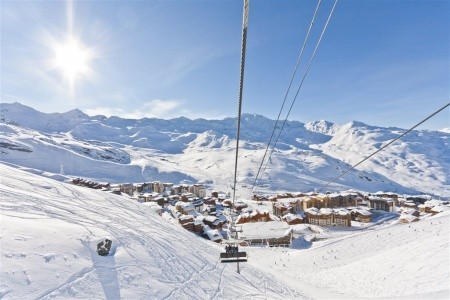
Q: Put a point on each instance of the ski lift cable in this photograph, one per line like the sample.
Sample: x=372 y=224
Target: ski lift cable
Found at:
x=232 y=255
x=288 y=90
x=301 y=83
x=241 y=86
x=385 y=146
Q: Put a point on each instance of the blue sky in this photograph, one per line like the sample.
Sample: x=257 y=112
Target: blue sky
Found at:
x=380 y=62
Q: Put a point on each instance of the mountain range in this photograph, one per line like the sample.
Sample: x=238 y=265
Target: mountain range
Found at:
x=181 y=150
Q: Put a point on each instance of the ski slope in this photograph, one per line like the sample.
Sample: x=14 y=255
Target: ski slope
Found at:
x=49 y=232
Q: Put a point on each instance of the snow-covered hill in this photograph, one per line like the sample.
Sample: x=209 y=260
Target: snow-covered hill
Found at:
x=49 y=235
x=49 y=232
x=176 y=150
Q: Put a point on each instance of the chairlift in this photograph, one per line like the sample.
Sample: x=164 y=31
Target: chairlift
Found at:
x=233 y=255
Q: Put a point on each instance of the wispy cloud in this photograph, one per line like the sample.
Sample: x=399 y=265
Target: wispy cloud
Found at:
x=157 y=108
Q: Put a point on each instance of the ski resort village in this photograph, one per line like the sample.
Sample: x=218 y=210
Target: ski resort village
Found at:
x=271 y=220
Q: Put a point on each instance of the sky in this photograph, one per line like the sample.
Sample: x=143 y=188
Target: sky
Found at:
x=384 y=63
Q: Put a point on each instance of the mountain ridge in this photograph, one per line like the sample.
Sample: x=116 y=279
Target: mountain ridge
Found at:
x=307 y=155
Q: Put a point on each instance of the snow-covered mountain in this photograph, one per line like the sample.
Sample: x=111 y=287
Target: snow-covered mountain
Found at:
x=49 y=232
x=183 y=150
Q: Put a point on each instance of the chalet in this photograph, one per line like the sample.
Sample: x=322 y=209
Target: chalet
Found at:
x=228 y=203
x=214 y=235
x=209 y=210
x=361 y=215
x=127 y=188
x=328 y=217
x=409 y=204
x=420 y=199
x=187 y=197
x=281 y=209
x=173 y=199
x=252 y=216
x=185 y=208
x=266 y=233
x=179 y=189
x=428 y=205
x=198 y=190
x=389 y=195
x=190 y=223
x=157 y=187
x=147 y=197
x=160 y=200
x=378 y=203
x=215 y=222
x=184 y=219
x=341 y=199
x=322 y=218
x=292 y=219
x=342 y=217
x=209 y=200
x=318 y=201
x=143 y=187
x=239 y=205
x=408 y=216
x=439 y=208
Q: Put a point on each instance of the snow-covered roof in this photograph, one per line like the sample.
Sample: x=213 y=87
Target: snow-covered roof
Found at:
x=214 y=235
x=264 y=230
x=341 y=211
x=292 y=217
x=288 y=200
x=440 y=208
x=326 y=211
x=408 y=217
x=210 y=219
x=363 y=212
x=186 y=217
x=185 y=205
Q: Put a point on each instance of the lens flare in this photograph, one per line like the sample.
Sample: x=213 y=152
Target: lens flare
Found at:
x=72 y=59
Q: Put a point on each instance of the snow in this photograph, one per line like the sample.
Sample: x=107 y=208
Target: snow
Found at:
x=263 y=230
x=182 y=150
x=402 y=261
x=50 y=229
x=49 y=233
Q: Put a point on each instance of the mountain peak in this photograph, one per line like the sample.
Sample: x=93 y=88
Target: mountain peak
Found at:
x=321 y=126
x=75 y=114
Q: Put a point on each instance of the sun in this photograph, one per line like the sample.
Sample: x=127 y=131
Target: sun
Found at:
x=72 y=59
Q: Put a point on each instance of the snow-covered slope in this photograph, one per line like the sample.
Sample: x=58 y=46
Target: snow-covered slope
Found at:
x=408 y=261
x=306 y=158
x=49 y=233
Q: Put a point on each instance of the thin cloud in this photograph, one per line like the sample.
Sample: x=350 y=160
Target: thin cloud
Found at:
x=157 y=108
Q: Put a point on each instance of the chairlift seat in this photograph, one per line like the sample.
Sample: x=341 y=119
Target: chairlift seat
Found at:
x=233 y=255
x=233 y=260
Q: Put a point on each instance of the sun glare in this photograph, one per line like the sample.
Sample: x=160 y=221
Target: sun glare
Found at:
x=72 y=59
